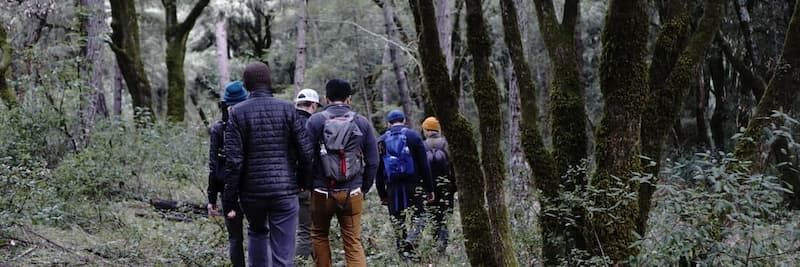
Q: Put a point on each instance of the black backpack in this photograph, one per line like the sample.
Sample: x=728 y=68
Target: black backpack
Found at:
x=438 y=160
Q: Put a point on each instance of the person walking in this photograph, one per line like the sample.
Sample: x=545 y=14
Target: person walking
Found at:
x=404 y=167
x=442 y=172
x=306 y=102
x=234 y=93
x=261 y=139
x=345 y=166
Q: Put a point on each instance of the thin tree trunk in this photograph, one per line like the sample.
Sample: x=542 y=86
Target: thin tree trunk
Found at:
x=487 y=99
x=623 y=81
x=443 y=21
x=300 y=57
x=394 y=57
x=5 y=63
x=517 y=167
x=539 y=158
x=118 y=84
x=92 y=21
x=221 y=39
x=665 y=100
x=385 y=61
x=469 y=176
x=125 y=44
x=176 y=34
x=747 y=33
x=780 y=95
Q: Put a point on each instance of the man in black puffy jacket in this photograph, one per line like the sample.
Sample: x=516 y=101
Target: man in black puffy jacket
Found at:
x=262 y=139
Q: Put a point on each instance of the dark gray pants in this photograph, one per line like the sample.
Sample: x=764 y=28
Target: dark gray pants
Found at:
x=304 y=226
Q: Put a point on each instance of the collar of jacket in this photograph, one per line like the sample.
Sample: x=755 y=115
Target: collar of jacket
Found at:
x=303 y=113
x=338 y=105
x=260 y=93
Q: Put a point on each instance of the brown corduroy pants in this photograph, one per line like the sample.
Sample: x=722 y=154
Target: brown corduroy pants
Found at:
x=323 y=208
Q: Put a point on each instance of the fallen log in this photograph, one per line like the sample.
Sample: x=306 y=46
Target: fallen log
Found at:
x=179 y=206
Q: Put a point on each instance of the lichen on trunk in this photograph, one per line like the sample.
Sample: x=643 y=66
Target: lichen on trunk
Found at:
x=469 y=176
x=176 y=34
x=623 y=81
x=487 y=99
x=5 y=62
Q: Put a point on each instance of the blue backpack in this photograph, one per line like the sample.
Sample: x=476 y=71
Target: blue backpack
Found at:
x=398 y=164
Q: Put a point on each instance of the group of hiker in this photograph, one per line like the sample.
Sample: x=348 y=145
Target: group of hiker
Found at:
x=289 y=170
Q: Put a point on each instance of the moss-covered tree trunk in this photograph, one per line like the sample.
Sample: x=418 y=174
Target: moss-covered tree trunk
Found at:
x=781 y=94
x=568 y=131
x=5 y=62
x=487 y=99
x=469 y=176
x=125 y=44
x=176 y=34
x=300 y=50
x=672 y=74
x=539 y=158
x=623 y=81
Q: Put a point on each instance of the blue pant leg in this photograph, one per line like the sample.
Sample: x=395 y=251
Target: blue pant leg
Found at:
x=257 y=233
x=283 y=225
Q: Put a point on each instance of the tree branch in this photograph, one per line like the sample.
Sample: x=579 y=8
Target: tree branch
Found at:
x=749 y=77
x=5 y=48
x=190 y=20
x=401 y=46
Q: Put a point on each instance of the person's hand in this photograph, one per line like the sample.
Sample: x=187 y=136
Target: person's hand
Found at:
x=232 y=214
x=212 y=211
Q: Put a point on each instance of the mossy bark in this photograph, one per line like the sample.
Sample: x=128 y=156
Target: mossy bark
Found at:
x=5 y=62
x=487 y=99
x=125 y=44
x=623 y=81
x=544 y=176
x=469 y=176
x=567 y=110
x=672 y=73
x=780 y=95
x=176 y=34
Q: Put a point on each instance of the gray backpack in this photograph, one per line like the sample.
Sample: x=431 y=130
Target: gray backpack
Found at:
x=340 y=148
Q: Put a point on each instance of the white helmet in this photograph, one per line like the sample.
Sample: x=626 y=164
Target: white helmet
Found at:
x=308 y=95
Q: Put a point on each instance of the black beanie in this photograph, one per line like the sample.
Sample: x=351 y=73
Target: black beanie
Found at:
x=338 y=90
x=256 y=77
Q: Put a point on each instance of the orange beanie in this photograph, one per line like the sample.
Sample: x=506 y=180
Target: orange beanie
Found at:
x=431 y=124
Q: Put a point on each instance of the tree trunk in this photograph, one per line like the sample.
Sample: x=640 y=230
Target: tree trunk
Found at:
x=125 y=44
x=5 y=63
x=469 y=176
x=670 y=78
x=623 y=81
x=517 y=168
x=118 y=84
x=487 y=98
x=568 y=128
x=92 y=21
x=300 y=58
x=443 y=21
x=747 y=34
x=386 y=96
x=176 y=34
x=221 y=39
x=539 y=158
x=780 y=95
x=394 y=57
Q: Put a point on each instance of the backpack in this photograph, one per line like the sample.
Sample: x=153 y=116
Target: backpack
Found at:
x=438 y=159
x=397 y=160
x=340 y=147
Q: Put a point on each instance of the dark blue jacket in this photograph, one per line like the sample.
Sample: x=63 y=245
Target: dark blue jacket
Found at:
x=303 y=171
x=421 y=164
x=369 y=147
x=216 y=163
x=262 y=135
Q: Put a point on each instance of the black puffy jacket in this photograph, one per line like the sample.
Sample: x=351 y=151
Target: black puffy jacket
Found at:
x=259 y=138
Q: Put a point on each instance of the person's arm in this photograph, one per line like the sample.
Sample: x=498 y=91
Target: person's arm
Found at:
x=233 y=164
x=302 y=142
x=423 y=167
x=371 y=159
x=380 y=176
x=213 y=165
